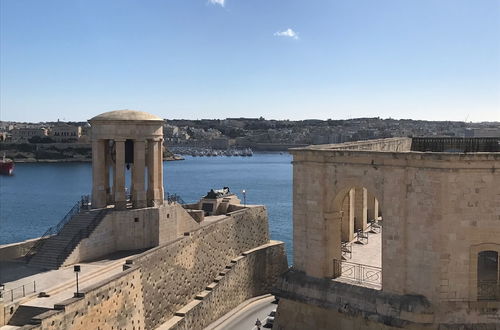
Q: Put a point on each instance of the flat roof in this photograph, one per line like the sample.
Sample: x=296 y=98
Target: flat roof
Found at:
x=417 y=144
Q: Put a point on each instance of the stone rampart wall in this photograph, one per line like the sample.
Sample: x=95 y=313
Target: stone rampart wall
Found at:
x=312 y=303
x=164 y=279
x=116 y=303
x=295 y=315
x=250 y=275
x=172 y=275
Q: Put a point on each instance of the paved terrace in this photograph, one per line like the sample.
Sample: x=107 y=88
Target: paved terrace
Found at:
x=59 y=284
x=365 y=262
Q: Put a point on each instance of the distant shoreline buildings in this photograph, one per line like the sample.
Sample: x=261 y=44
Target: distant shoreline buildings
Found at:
x=257 y=134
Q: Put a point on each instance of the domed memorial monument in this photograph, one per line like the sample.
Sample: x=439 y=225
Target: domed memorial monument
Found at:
x=127 y=140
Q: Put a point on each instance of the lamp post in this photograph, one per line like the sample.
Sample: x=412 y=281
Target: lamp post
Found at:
x=244 y=197
x=77 y=269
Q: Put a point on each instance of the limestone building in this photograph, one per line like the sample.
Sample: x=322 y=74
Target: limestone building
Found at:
x=26 y=133
x=395 y=233
x=63 y=132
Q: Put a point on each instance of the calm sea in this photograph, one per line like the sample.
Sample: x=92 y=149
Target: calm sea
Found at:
x=37 y=196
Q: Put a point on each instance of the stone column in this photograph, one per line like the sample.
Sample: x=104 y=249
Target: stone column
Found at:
x=98 y=174
x=360 y=207
x=332 y=246
x=161 y=193
x=139 y=191
x=375 y=209
x=153 y=193
x=109 y=193
x=119 y=184
x=348 y=217
x=370 y=207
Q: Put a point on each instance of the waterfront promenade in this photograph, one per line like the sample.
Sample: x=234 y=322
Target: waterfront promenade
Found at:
x=58 y=285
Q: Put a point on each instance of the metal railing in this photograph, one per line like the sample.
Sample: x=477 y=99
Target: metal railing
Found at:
x=174 y=198
x=363 y=274
x=488 y=290
x=82 y=204
x=19 y=292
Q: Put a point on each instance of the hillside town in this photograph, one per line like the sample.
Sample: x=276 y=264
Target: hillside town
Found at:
x=70 y=141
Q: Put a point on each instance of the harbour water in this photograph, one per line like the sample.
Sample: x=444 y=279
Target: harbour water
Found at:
x=38 y=195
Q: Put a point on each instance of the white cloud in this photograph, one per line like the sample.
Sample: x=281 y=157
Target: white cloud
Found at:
x=287 y=33
x=217 y=2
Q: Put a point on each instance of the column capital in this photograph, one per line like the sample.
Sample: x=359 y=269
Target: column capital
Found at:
x=120 y=140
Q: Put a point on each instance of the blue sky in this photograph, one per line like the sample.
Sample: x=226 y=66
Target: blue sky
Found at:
x=418 y=59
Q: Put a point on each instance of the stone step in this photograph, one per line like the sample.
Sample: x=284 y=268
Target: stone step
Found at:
x=48 y=254
x=24 y=314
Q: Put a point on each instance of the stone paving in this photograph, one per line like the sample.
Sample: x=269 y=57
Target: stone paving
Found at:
x=60 y=284
x=367 y=254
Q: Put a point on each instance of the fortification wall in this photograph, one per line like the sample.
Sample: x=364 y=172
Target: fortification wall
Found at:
x=174 y=274
x=116 y=303
x=164 y=279
x=250 y=275
x=311 y=303
x=299 y=316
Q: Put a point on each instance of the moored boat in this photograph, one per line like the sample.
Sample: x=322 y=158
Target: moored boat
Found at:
x=6 y=166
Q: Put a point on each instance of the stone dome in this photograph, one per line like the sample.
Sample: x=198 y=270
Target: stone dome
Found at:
x=119 y=115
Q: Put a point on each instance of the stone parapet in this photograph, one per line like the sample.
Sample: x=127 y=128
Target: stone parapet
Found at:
x=353 y=301
x=116 y=302
x=311 y=303
x=17 y=250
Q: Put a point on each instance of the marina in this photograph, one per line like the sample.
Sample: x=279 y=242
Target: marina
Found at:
x=208 y=152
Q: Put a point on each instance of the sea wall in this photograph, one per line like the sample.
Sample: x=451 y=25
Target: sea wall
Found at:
x=160 y=281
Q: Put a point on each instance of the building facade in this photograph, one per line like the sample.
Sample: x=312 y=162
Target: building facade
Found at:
x=63 y=132
x=26 y=133
x=394 y=233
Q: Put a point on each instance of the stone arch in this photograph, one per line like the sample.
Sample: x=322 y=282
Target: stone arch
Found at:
x=475 y=251
x=335 y=195
x=333 y=216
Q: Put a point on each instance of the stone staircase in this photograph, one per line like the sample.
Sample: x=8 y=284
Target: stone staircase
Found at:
x=57 y=248
x=24 y=314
